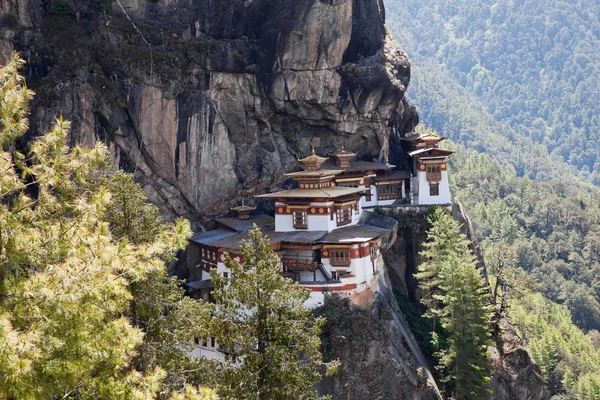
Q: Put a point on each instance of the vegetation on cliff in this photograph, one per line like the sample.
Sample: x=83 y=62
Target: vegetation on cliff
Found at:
x=86 y=308
x=456 y=297
x=540 y=238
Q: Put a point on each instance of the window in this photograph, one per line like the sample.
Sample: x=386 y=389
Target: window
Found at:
x=373 y=251
x=434 y=173
x=300 y=220
x=339 y=258
x=434 y=189
x=388 y=192
x=225 y=275
x=344 y=215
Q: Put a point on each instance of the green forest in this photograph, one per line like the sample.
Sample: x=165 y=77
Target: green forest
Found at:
x=514 y=84
x=527 y=71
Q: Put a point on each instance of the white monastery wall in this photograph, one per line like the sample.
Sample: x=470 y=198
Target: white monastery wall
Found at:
x=425 y=198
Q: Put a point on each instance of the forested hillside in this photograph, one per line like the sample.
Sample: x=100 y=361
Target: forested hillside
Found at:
x=527 y=69
x=515 y=84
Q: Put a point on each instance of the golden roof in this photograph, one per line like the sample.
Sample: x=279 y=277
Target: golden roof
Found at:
x=431 y=137
x=313 y=158
x=343 y=153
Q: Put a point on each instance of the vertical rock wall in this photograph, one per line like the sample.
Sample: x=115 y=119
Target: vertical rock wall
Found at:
x=211 y=101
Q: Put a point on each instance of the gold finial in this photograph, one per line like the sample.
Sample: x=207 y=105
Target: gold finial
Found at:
x=312 y=150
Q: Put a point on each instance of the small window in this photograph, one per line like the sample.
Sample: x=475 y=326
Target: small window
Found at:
x=212 y=342
x=340 y=258
x=225 y=275
x=343 y=215
x=434 y=189
x=434 y=173
x=373 y=251
x=300 y=220
x=388 y=192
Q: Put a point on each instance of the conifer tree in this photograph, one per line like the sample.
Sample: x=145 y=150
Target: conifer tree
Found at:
x=64 y=278
x=263 y=322
x=456 y=297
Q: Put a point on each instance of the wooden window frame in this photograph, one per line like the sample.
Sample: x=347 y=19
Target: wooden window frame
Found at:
x=433 y=173
x=388 y=192
x=343 y=215
x=339 y=257
x=434 y=189
x=300 y=219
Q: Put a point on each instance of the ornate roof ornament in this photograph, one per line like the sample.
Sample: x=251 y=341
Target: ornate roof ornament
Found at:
x=243 y=211
x=313 y=161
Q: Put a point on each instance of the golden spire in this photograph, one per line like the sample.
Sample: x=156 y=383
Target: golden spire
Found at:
x=313 y=162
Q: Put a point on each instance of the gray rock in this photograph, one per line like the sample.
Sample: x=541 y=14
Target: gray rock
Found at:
x=212 y=101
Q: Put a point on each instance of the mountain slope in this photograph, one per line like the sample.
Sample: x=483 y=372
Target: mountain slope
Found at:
x=531 y=67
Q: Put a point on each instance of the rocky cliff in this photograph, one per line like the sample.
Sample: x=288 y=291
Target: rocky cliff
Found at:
x=211 y=101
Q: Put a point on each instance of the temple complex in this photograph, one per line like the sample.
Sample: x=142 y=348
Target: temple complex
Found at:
x=324 y=230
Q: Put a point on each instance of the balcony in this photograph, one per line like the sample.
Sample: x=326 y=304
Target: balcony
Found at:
x=297 y=265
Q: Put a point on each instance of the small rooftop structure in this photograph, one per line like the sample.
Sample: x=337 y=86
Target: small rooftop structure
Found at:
x=243 y=211
x=342 y=158
x=237 y=224
x=313 y=161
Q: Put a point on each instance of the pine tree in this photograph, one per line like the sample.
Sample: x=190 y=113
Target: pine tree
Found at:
x=263 y=322
x=458 y=300
x=65 y=281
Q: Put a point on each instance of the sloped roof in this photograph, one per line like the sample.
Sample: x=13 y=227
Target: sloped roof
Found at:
x=422 y=151
x=328 y=193
x=237 y=224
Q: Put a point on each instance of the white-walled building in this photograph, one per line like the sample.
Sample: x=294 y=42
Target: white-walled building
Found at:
x=325 y=238
x=430 y=182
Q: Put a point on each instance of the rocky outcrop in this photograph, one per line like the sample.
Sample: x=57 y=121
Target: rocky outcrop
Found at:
x=516 y=375
x=212 y=101
x=380 y=359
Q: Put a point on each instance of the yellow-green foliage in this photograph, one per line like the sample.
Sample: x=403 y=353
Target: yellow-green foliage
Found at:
x=65 y=293
x=557 y=345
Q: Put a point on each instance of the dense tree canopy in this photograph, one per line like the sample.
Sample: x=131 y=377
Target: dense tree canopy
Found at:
x=68 y=325
x=517 y=79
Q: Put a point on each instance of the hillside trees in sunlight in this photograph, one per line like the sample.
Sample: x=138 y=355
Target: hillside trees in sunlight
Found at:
x=455 y=295
x=67 y=325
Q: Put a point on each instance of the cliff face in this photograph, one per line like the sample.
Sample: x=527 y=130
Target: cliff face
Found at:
x=212 y=101
x=380 y=358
